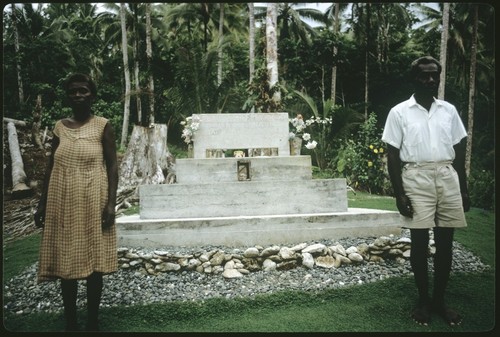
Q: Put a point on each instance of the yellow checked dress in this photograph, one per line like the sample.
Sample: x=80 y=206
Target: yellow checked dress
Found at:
x=73 y=243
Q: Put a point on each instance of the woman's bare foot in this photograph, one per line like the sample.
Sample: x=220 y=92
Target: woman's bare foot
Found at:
x=450 y=316
x=422 y=314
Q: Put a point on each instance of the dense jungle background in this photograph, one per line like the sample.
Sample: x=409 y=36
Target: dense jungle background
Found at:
x=342 y=66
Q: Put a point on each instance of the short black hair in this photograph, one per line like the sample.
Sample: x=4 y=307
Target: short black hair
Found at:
x=415 y=65
x=79 y=77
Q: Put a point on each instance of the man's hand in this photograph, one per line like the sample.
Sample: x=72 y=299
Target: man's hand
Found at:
x=404 y=206
x=466 y=202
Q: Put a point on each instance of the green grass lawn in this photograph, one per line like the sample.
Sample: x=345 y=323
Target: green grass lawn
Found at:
x=376 y=307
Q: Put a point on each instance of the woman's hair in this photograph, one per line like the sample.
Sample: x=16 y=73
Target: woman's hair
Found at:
x=78 y=77
x=415 y=65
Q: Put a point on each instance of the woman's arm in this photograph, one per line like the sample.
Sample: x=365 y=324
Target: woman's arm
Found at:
x=109 y=152
x=42 y=204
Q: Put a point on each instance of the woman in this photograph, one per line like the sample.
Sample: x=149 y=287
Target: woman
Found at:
x=77 y=205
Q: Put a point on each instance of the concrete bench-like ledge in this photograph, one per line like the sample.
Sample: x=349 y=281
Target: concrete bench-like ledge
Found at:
x=241 y=231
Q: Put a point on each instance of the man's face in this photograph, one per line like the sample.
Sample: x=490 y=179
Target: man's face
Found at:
x=79 y=95
x=427 y=80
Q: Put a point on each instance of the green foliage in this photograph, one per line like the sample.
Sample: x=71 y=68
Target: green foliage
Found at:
x=320 y=130
x=177 y=152
x=19 y=254
x=482 y=189
x=113 y=111
x=261 y=96
x=58 y=38
x=363 y=160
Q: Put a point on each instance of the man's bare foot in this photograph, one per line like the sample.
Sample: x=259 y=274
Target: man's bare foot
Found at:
x=422 y=314
x=450 y=316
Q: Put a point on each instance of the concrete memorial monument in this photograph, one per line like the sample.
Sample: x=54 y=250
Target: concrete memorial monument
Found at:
x=242 y=200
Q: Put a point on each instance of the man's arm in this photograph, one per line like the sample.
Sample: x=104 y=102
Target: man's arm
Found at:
x=394 y=167
x=459 y=166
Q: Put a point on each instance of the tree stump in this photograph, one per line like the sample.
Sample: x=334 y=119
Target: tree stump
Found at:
x=19 y=187
x=146 y=161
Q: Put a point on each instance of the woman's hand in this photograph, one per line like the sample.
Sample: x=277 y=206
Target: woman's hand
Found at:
x=39 y=216
x=108 y=217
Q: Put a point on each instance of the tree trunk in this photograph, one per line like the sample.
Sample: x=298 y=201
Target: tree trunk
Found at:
x=444 y=48
x=149 y=54
x=147 y=159
x=126 y=107
x=336 y=28
x=219 y=46
x=251 y=51
x=18 y=63
x=272 y=51
x=35 y=128
x=367 y=57
x=220 y=50
x=15 y=122
x=136 y=68
x=19 y=187
x=472 y=90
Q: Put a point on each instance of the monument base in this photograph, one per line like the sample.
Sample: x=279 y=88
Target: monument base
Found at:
x=247 y=231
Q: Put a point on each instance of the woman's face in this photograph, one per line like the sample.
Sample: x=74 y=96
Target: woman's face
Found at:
x=80 y=96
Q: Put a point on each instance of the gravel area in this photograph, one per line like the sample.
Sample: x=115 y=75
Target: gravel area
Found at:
x=23 y=295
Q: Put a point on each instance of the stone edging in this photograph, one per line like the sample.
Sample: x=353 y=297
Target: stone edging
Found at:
x=257 y=258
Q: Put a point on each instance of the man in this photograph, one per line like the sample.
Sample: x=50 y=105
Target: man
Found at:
x=426 y=163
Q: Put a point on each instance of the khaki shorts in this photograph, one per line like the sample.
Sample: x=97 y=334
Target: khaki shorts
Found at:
x=434 y=192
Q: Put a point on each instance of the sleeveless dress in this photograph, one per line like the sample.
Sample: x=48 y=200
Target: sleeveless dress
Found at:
x=73 y=243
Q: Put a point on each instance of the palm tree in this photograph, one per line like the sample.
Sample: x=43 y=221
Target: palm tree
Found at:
x=220 y=44
x=291 y=20
x=444 y=48
x=333 y=13
x=126 y=71
x=472 y=90
x=377 y=26
x=149 y=56
x=251 y=49
x=18 y=64
x=135 y=51
x=272 y=53
x=336 y=29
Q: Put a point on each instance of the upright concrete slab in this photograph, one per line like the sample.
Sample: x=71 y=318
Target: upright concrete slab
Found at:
x=246 y=198
x=242 y=131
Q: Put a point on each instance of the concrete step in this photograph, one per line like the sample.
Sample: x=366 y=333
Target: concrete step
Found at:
x=243 y=198
x=242 y=231
x=202 y=171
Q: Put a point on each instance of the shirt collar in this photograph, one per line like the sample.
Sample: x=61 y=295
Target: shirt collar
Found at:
x=413 y=102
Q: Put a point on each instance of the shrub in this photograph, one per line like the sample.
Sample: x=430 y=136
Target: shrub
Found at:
x=482 y=189
x=362 y=160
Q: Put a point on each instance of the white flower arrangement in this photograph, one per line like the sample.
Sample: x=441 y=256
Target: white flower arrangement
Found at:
x=311 y=145
x=298 y=126
x=191 y=125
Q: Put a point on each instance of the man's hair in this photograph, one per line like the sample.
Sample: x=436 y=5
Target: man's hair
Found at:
x=415 y=65
x=78 y=77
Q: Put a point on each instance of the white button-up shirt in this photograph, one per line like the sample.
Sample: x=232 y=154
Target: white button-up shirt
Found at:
x=421 y=135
